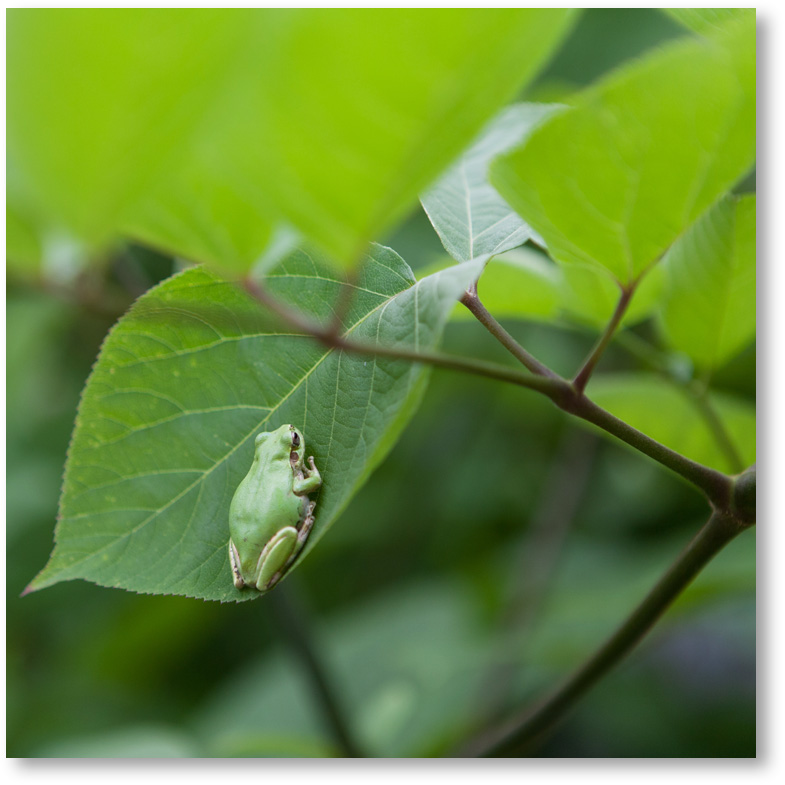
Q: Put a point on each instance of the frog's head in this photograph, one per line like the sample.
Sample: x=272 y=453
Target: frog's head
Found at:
x=286 y=443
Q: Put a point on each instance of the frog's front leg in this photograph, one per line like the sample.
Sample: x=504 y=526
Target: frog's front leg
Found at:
x=303 y=485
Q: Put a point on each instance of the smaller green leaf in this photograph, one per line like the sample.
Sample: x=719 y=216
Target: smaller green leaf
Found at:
x=467 y=212
x=667 y=413
x=707 y=20
x=524 y=284
x=614 y=181
x=709 y=307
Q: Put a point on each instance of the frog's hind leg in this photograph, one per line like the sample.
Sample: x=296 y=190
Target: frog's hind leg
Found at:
x=279 y=554
x=234 y=559
x=275 y=558
x=305 y=529
x=302 y=536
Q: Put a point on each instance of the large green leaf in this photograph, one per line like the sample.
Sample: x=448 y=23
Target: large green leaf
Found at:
x=332 y=119
x=197 y=214
x=100 y=99
x=666 y=413
x=187 y=379
x=470 y=217
x=707 y=20
x=709 y=307
x=615 y=180
x=361 y=108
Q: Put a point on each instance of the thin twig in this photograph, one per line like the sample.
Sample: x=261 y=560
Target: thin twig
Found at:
x=584 y=374
x=290 y=619
x=471 y=300
x=550 y=387
x=512 y=737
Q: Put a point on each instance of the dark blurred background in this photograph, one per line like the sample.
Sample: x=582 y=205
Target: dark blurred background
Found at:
x=439 y=598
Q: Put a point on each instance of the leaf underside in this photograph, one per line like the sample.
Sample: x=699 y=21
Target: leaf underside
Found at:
x=187 y=379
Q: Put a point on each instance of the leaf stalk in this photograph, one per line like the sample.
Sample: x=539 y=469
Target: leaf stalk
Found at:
x=472 y=301
x=584 y=374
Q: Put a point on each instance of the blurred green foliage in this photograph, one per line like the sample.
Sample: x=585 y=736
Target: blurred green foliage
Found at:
x=411 y=594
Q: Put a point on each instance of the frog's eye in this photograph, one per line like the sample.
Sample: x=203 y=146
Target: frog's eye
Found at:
x=295 y=439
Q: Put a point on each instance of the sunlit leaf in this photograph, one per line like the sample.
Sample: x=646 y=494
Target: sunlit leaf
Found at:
x=707 y=20
x=333 y=120
x=101 y=100
x=199 y=215
x=709 y=307
x=520 y=284
x=367 y=106
x=23 y=242
x=614 y=181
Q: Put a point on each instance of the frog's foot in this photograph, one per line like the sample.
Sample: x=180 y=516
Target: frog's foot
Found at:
x=306 y=527
x=234 y=559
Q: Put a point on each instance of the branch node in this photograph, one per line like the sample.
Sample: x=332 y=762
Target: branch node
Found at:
x=743 y=497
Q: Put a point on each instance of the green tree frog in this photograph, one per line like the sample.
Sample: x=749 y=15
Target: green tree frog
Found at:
x=271 y=515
